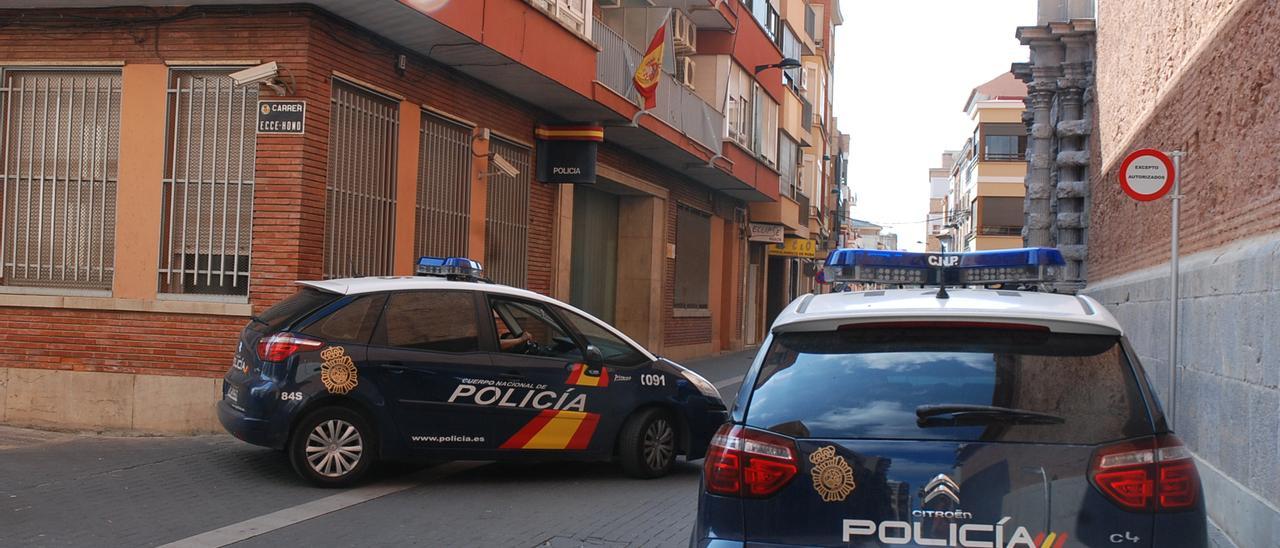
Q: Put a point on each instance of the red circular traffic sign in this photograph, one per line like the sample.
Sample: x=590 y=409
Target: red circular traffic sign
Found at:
x=1146 y=174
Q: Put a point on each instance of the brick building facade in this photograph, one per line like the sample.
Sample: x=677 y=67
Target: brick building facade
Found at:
x=1190 y=82
x=198 y=223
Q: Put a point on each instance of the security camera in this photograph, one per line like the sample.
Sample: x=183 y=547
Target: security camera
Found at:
x=504 y=166
x=265 y=72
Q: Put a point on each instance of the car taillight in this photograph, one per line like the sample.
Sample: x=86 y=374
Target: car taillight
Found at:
x=1152 y=474
x=748 y=463
x=280 y=346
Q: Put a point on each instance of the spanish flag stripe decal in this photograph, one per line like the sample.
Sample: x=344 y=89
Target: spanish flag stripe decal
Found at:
x=1062 y=541
x=525 y=434
x=558 y=431
x=1048 y=541
x=553 y=429
x=604 y=377
x=582 y=438
x=1039 y=540
x=576 y=376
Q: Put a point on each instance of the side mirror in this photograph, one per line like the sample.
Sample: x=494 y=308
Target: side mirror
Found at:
x=594 y=357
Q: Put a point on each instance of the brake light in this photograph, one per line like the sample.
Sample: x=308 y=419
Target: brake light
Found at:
x=280 y=346
x=748 y=463
x=944 y=325
x=1154 y=474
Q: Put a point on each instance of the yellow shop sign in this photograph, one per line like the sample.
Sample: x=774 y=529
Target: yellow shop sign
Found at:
x=795 y=247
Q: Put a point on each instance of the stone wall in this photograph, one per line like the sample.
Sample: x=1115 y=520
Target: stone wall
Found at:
x=1228 y=400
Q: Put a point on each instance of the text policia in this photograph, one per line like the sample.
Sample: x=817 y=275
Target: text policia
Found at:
x=522 y=396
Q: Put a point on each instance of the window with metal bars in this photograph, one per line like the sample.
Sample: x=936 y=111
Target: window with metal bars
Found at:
x=507 y=222
x=693 y=258
x=360 y=192
x=59 y=162
x=444 y=188
x=207 y=213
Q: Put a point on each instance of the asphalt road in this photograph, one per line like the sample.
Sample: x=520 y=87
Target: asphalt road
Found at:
x=79 y=490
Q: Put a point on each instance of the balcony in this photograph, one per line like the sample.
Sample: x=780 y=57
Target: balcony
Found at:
x=993 y=230
x=677 y=105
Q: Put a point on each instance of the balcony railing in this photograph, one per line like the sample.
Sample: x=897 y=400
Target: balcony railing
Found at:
x=676 y=104
x=1004 y=156
x=994 y=230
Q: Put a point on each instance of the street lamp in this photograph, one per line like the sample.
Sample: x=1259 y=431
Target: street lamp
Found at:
x=785 y=64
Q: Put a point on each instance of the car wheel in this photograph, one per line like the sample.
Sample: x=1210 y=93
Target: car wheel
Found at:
x=332 y=447
x=647 y=446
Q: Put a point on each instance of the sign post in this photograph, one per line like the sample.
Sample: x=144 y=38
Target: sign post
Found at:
x=1147 y=175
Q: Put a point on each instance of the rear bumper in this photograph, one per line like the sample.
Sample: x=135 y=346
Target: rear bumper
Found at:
x=248 y=429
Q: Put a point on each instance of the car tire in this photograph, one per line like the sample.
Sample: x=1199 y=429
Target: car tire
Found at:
x=332 y=447
x=647 y=444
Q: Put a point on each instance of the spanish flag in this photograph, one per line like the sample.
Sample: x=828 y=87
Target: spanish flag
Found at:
x=649 y=73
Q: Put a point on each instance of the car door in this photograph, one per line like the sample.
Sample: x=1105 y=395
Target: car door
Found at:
x=559 y=399
x=426 y=356
x=621 y=372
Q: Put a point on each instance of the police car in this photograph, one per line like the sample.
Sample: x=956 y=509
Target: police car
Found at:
x=948 y=416
x=444 y=366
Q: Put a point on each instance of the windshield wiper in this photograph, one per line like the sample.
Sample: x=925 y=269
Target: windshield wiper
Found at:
x=968 y=414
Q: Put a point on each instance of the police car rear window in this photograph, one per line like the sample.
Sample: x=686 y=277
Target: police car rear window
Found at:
x=959 y=384
x=296 y=306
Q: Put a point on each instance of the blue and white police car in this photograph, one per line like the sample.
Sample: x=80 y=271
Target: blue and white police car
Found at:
x=444 y=366
x=928 y=416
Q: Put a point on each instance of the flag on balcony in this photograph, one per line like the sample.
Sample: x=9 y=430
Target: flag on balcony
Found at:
x=649 y=73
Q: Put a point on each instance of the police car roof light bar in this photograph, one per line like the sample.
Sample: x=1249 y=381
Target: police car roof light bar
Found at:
x=1024 y=265
x=453 y=268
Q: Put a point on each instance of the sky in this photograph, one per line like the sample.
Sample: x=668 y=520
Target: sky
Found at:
x=904 y=69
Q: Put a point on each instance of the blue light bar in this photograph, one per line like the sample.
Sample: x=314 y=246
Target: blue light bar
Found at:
x=450 y=267
x=1032 y=264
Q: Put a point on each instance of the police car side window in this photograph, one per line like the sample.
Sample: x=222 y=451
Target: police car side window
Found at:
x=617 y=352
x=533 y=327
x=351 y=323
x=439 y=321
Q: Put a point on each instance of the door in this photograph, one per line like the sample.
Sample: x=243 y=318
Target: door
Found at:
x=594 y=266
x=426 y=358
x=776 y=290
x=554 y=404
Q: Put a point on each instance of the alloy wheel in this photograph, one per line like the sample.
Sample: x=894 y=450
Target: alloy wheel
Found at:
x=659 y=444
x=334 y=448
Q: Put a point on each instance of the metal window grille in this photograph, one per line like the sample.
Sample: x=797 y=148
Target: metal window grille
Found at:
x=507 y=222
x=444 y=188
x=360 y=207
x=58 y=169
x=208 y=184
x=693 y=257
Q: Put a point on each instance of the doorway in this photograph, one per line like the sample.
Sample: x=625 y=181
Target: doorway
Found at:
x=776 y=290
x=593 y=274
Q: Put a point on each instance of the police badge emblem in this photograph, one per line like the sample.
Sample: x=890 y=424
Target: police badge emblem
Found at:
x=832 y=477
x=338 y=372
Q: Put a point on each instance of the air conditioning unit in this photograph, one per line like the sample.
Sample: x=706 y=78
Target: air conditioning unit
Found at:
x=684 y=34
x=685 y=70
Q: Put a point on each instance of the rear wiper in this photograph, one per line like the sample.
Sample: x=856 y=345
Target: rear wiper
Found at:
x=967 y=414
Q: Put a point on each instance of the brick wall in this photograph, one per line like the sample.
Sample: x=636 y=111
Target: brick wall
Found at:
x=1223 y=112
x=118 y=342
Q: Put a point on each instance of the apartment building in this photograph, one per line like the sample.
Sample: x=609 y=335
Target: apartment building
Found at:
x=935 y=220
x=984 y=204
x=152 y=204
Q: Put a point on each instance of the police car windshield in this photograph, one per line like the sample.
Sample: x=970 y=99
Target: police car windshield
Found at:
x=872 y=384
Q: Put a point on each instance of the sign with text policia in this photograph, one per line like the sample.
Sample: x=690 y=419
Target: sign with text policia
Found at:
x=282 y=117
